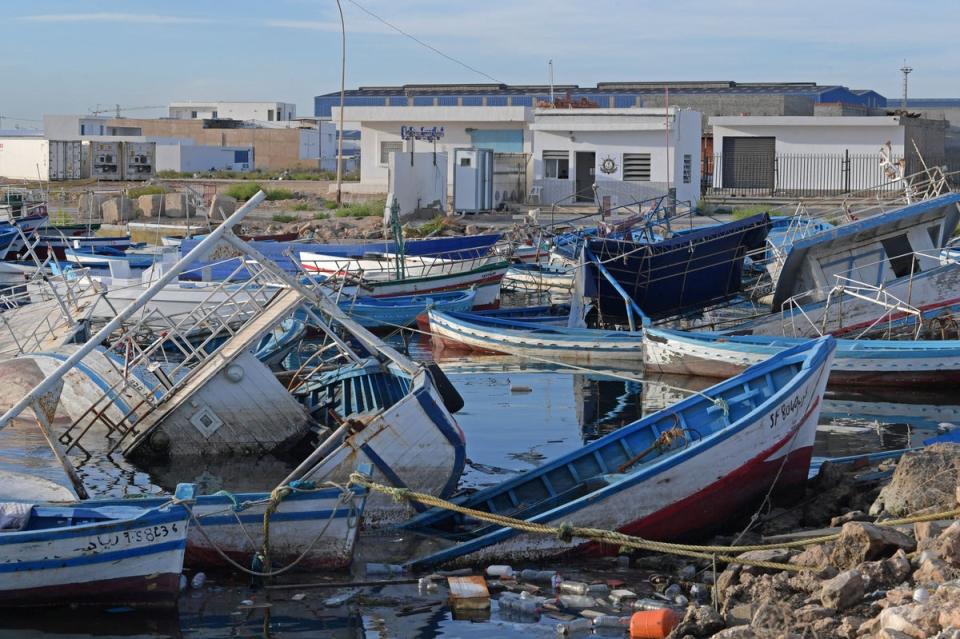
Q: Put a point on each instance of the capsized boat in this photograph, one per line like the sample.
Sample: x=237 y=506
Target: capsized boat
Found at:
x=673 y=474
x=80 y=554
x=856 y=362
x=470 y=331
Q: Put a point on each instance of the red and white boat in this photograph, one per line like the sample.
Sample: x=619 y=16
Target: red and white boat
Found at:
x=676 y=473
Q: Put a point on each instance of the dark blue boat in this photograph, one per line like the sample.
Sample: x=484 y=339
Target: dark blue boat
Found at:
x=687 y=271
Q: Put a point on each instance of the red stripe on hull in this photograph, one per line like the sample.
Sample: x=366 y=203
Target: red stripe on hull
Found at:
x=153 y=590
x=209 y=560
x=443 y=343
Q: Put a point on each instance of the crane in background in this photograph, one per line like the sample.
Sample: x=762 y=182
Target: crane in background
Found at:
x=117 y=109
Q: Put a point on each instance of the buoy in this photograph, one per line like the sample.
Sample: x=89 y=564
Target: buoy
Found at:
x=653 y=624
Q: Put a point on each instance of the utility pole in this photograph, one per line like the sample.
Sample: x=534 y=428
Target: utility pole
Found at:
x=343 y=82
x=905 y=70
x=550 y=65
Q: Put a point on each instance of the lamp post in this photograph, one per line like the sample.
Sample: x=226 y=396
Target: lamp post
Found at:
x=343 y=80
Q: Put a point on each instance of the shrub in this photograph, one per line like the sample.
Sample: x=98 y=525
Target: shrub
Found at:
x=279 y=194
x=330 y=204
x=302 y=206
x=321 y=216
x=150 y=189
x=243 y=191
x=280 y=217
x=373 y=208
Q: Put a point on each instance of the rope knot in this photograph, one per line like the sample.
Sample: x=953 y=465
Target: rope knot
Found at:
x=565 y=532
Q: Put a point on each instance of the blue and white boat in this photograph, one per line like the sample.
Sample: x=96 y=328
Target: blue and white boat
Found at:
x=396 y=312
x=90 y=554
x=8 y=236
x=102 y=256
x=470 y=331
x=866 y=362
x=676 y=473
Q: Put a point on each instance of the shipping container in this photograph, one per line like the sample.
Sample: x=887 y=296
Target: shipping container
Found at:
x=106 y=160
x=40 y=159
x=139 y=160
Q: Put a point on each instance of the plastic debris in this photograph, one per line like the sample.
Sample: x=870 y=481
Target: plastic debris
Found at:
x=573 y=627
x=518 y=605
x=611 y=621
x=598 y=590
x=672 y=591
x=574 y=588
x=426 y=584
x=681 y=600
x=699 y=593
x=503 y=572
x=298 y=597
x=469 y=592
x=246 y=602
x=577 y=601
x=556 y=581
x=921 y=595
x=650 y=604
x=538 y=576
x=688 y=572
x=341 y=599
x=198 y=580
x=383 y=569
x=621 y=595
x=653 y=624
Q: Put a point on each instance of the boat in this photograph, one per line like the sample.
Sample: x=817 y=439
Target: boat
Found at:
x=56 y=241
x=538 y=278
x=662 y=278
x=102 y=256
x=80 y=554
x=675 y=474
x=314 y=526
x=172 y=240
x=396 y=312
x=470 y=331
x=864 y=362
x=8 y=236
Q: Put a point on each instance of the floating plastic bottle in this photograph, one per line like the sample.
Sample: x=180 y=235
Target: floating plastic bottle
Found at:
x=556 y=581
x=611 y=621
x=574 y=588
x=650 y=604
x=426 y=584
x=598 y=590
x=572 y=627
x=537 y=576
x=577 y=601
x=383 y=569
x=519 y=606
x=198 y=580
x=502 y=572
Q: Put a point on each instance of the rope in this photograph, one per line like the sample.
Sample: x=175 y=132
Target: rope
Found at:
x=346 y=497
x=567 y=531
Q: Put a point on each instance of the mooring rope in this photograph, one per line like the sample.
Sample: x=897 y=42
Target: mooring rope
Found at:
x=566 y=531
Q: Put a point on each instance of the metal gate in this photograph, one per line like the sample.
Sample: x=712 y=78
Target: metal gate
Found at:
x=509 y=178
x=748 y=163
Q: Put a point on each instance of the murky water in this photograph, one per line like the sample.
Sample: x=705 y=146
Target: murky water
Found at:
x=516 y=416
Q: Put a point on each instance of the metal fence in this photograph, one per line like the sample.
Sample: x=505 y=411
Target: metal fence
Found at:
x=799 y=175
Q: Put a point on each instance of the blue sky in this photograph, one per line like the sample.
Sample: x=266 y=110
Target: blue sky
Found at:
x=60 y=56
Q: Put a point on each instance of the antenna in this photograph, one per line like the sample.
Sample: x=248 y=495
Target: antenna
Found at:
x=906 y=71
x=550 y=65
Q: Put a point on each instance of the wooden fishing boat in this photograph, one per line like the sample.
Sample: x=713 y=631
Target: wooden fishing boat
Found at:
x=546 y=315
x=102 y=256
x=320 y=523
x=470 y=331
x=857 y=362
x=83 y=554
x=394 y=312
x=54 y=240
x=539 y=278
x=673 y=474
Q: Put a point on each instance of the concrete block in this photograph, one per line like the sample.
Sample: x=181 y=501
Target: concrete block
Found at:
x=177 y=205
x=222 y=206
x=117 y=210
x=150 y=206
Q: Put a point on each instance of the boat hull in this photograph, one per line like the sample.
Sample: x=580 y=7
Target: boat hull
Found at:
x=123 y=561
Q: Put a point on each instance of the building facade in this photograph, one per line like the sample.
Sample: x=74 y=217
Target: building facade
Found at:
x=630 y=154
x=265 y=111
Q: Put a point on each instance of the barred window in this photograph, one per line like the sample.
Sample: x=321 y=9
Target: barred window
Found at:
x=687 y=168
x=386 y=148
x=636 y=167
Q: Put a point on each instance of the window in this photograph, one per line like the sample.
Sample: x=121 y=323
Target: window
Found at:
x=465 y=162
x=101 y=129
x=556 y=164
x=687 y=168
x=386 y=148
x=83 y=129
x=636 y=167
x=270 y=115
x=900 y=253
x=214 y=115
x=193 y=114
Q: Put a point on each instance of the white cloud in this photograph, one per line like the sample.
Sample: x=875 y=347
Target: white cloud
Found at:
x=130 y=18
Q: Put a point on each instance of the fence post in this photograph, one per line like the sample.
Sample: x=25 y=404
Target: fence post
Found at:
x=846 y=171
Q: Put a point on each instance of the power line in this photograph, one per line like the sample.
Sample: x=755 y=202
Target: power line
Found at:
x=422 y=43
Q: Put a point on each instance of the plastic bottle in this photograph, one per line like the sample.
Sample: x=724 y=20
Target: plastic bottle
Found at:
x=672 y=591
x=649 y=604
x=520 y=606
x=556 y=581
x=574 y=588
x=681 y=601
x=426 y=584
x=502 y=572
x=573 y=627
x=653 y=624
x=198 y=580
x=577 y=601
x=598 y=590
x=611 y=621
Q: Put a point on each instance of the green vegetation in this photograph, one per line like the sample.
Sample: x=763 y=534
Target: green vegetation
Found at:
x=746 y=211
x=302 y=206
x=243 y=191
x=372 y=208
x=321 y=216
x=330 y=204
x=279 y=194
x=283 y=219
x=429 y=227
x=151 y=189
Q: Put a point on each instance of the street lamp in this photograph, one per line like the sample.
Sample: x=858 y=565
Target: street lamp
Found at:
x=343 y=80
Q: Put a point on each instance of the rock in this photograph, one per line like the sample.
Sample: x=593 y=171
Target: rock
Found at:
x=471 y=229
x=848 y=627
x=918 y=621
x=947 y=600
x=854 y=515
x=813 y=612
x=934 y=570
x=699 y=621
x=861 y=541
x=177 y=205
x=815 y=557
x=886 y=572
x=948 y=544
x=927 y=530
x=728 y=578
x=823 y=627
x=898 y=566
x=737 y=632
x=888 y=633
x=775 y=555
x=222 y=206
x=924 y=479
x=739 y=614
x=843 y=591
x=117 y=210
x=150 y=206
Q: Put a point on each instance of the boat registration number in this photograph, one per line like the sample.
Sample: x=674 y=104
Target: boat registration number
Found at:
x=132 y=537
x=787 y=409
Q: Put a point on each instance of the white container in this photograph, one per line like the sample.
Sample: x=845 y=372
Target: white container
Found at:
x=40 y=159
x=139 y=160
x=106 y=160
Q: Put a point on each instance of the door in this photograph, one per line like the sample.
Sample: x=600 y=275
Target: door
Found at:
x=748 y=163
x=586 y=162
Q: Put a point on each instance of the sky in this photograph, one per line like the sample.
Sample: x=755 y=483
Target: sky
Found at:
x=69 y=56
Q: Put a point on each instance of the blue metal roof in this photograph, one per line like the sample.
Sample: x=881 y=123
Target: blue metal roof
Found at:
x=929 y=103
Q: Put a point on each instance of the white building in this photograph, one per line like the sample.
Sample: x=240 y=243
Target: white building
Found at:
x=794 y=154
x=186 y=157
x=630 y=153
x=266 y=111
x=503 y=129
